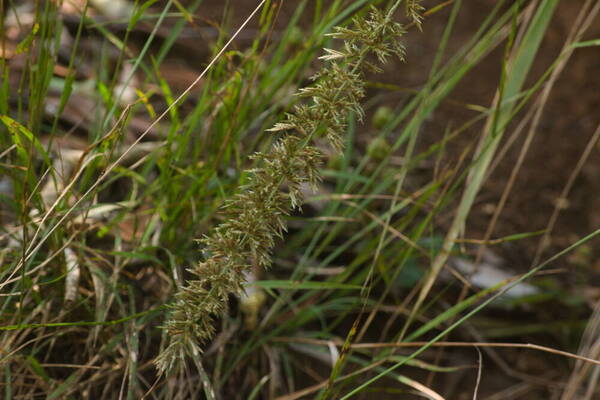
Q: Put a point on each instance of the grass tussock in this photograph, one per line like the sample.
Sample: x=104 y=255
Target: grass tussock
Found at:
x=265 y=200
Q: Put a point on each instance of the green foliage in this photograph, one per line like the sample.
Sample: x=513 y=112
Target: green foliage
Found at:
x=333 y=240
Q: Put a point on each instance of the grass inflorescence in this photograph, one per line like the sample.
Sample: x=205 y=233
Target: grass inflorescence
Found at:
x=255 y=216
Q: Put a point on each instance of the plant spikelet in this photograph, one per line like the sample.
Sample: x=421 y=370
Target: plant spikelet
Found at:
x=414 y=11
x=255 y=216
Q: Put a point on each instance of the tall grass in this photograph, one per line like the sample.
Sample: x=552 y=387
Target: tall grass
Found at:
x=110 y=174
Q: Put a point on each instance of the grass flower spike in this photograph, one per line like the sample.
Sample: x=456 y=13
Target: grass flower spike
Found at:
x=255 y=216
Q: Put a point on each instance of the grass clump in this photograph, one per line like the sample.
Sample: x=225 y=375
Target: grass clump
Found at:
x=353 y=231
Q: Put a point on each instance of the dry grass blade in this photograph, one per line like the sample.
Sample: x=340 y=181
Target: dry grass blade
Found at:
x=479 y=369
x=566 y=190
x=447 y=344
x=590 y=347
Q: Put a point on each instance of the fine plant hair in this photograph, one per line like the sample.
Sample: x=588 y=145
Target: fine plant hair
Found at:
x=255 y=215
